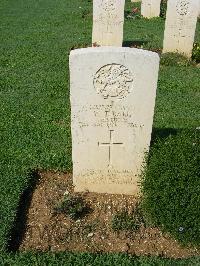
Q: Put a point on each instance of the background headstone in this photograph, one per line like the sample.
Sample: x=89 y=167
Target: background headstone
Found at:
x=108 y=21
x=180 y=26
x=112 y=97
x=150 y=8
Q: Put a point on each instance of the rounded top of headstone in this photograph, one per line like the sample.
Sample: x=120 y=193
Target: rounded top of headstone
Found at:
x=113 y=49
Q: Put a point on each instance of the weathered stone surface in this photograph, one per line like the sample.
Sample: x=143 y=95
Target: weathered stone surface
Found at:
x=112 y=97
x=150 y=8
x=180 y=26
x=108 y=21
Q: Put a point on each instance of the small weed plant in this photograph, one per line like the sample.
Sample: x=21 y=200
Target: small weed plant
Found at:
x=124 y=221
x=128 y=222
x=73 y=206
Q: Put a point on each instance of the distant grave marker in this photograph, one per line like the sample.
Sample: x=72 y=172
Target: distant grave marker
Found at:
x=180 y=26
x=108 y=21
x=150 y=8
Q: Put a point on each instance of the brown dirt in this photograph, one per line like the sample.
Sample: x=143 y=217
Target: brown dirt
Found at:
x=47 y=230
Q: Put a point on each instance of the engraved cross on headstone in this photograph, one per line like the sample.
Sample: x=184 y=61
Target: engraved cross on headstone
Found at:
x=109 y=145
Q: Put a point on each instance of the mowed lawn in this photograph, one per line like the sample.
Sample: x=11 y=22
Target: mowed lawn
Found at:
x=35 y=41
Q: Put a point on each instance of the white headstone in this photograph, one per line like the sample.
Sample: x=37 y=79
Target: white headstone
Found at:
x=133 y=1
x=180 y=26
x=112 y=97
x=108 y=21
x=150 y=8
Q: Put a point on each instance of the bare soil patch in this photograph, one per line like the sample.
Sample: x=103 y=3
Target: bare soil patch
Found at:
x=47 y=230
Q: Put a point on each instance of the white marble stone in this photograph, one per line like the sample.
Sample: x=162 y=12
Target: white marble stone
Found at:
x=199 y=10
x=112 y=94
x=134 y=1
x=108 y=21
x=180 y=26
x=150 y=8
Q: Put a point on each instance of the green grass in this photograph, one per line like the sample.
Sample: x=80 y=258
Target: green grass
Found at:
x=124 y=221
x=83 y=259
x=171 y=186
x=80 y=259
x=35 y=41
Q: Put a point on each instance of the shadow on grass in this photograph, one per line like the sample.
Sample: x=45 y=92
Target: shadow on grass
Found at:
x=134 y=14
x=19 y=227
x=162 y=133
x=137 y=43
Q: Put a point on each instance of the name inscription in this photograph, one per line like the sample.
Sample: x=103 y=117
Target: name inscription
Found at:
x=105 y=115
